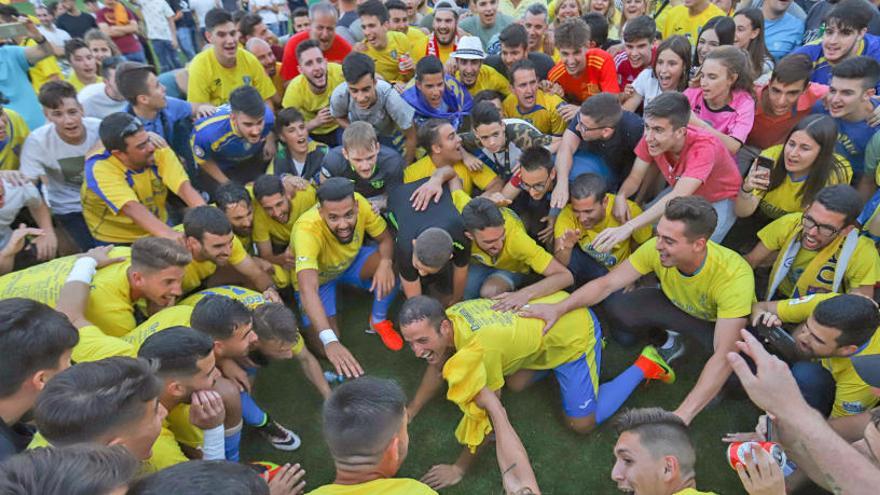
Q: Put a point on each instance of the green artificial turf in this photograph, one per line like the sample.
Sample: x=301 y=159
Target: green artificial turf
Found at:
x=564 y=462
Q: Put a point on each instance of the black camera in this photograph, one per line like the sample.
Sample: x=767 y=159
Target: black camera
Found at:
x=777 y=341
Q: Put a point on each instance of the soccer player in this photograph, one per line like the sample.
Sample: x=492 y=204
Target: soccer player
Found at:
x=398 y=20
x=374 y=168
x=706 y=291
x=472 y=72
x=582 y=72
x=390 y=50
x=230 y=145
x=200 y=477
x=819 y=250
x=36 y=343
x=215 y=73
x=323 y=17
x=329 y=245
x=275 y=213
x=478 y=347
x=529 y=103
x=127 y=182
x=236 y=203
x=310 y=91
x=364 y=98
x=74 y=470
x=262 y=50
x=654 y=454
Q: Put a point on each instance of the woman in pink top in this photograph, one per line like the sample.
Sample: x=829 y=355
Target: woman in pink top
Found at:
x=723 y=105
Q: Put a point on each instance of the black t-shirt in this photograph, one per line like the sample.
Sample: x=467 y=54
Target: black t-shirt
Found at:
x=543 y=64
x=76 y=26
x=14 y=439
x=387 y=174
x=411 y=223
x=311 y=169
x=186 y=20
x=619 y=151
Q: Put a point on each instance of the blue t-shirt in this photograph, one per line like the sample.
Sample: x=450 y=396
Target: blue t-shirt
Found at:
x=870 y=47
x=783 y=34
x=214 y=139
x=852 y=139
x=16 y=86
x=175 y=110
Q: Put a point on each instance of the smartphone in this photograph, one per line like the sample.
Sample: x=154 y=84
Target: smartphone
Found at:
x=778 y=341
x=764 y=165
x=12 y=30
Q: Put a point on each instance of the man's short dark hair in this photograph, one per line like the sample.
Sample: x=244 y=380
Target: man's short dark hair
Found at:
x=84 y=469
x=481 y=213
x=485 y=113
x=792 y=68
x=603 y=108
x=248 y=23
x=852 y=14
x=642 y=27
x=855 y=316
x=216 y=17
x=661 y=433
x=361 y=418
x=306 y=45
x=864 y=68
x=572 y=33
x=356 y=65
x=110 y=63
x=247 y=100
x=524 y=64
x=205 y=219
x=90 y=400
x=219 y=316
x=841 y=199
x=299 y=12
x=588 y=186
x=231 y=193
x=72 y=45
x=433 y=247
x=268 y=185
x=697 y=214
x=335 y=189
x=670 y=105
x=53 y=94
x=116 y=127
x=176 y=350
x=33 y=337
x=598 y=25
x=421 y=308
x=538 y=9
x=536 y=157
x=285 y=117
x=487 y=95
x=373 y=8
x=201 y=477
x=428 y=65
x=395 y=5
x=275 y=321
x=428 y=133
x=513 y=36
x=131 y=80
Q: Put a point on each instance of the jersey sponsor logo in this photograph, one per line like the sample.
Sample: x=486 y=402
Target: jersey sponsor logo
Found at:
x=199 y=151
x=853 y=407
x=247 y=81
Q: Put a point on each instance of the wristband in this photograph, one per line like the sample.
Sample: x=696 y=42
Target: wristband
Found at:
x=83 y=270
x=327 y=337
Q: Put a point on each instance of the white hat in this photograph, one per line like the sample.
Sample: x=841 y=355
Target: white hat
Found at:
x=469 y=47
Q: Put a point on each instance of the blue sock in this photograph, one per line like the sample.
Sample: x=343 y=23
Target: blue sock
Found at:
x=251 y=413
x=231 y=444
x=613 y=394
x=380 y=306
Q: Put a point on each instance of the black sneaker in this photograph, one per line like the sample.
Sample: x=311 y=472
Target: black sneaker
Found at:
x=280 y=437
x=675 y=351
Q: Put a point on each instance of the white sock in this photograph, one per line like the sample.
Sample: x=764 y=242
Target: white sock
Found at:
x=670 y=339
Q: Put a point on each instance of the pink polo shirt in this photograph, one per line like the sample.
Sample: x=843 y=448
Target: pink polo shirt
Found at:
x=704 y=158
x=734 y=119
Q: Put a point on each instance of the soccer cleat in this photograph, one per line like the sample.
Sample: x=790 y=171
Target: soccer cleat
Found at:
x=654 y=366
x=388 y=334
x=280 y=437
x=673 y=352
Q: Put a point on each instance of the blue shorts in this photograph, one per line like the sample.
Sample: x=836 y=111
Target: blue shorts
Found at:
x=351 y=276
x=478 y=273
x=579 y=379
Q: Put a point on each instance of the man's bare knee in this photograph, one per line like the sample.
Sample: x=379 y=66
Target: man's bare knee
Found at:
x=231 y=395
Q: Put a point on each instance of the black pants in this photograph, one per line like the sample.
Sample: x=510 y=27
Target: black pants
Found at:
x=635 y=314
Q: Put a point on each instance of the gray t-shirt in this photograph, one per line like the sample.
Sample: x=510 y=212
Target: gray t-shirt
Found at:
x=473 y=26
x=97 y=104
x=387 y=174
x=45 y=154
x=388 y=114
x=15 y=198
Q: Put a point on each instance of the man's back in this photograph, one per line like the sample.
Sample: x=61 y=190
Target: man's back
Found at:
x=385 y=486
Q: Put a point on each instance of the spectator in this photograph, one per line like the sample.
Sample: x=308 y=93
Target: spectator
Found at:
x=185 y=23
x=269 y=12
x=529 y=103
x=817 y=18
x=310 y=92
x=200 y=10
x=719 y=31
x=582 y=72
x=687 y=19
x=196 y=477
x=13 y=199
x=121 y=24
x=436 y=95
x=632 y=9
x=669 y=72
x=444 y=31
x=567 y=9
x=638 y=54
x=74 y=21
x=487 y=22
x=536 y=20
x=56 y=36
x=598 y=31
x=17 y=88
x=296 y=154
x=300 y=19
x=101 y=45
x=375 y=169
x=608 y=10
x=82 y=61
x=782 y=31
x=514 y=41
x=323 y=30
x=73 y=470
x=390 y=50
x=162 y=33
x=271 y=67
x=102 y=98
x=472 y=72
x=397 y=21
x=13 y=133
x=251 y=26
x=535 y=177
x=750 y=37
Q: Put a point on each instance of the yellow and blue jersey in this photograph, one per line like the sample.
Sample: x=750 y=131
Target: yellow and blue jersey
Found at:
x=216 y=139
x=10 y=148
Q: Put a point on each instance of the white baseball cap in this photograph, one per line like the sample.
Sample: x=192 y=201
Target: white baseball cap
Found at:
x=469 y=47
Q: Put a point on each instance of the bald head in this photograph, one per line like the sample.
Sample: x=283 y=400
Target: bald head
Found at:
x=261 y=49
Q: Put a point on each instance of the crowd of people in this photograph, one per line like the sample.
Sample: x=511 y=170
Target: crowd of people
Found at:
x=185 y=185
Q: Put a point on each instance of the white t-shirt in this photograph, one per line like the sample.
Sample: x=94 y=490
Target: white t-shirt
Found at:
x=15 y=198
x=268 y=16
x=156 y=14
x=45 y=154
x=96 y=103
x=200 y=8
x=647 y=86
x=57 y=36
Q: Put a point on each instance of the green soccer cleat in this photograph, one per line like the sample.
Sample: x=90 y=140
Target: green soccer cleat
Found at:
x=654 y=366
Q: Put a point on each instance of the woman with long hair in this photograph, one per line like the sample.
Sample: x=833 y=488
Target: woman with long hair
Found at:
x=750 y=37
x=669 y=73
x=567 y=9
x=718 y=31
x=630 y=9
x=609 y=11
x=801 y=166
x=723 y=104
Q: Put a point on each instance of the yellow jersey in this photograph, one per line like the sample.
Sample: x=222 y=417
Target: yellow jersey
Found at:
x=677 y=20
x=41 y=282
x=317 y=248
x=299 y=95
x=544 y=115
x=44 y=70
x=198 y=271
x=520 y=254
x=863 y=267
x=418 y=41
x=267 y=228
x=162 y=320
x=109 y=185
x=424 y=167
x=567 y=220
x=385 y=486
x=210 y=82
x=249 y=298
x=692 y=491
x=95 y=345
x=786 y=198
x=491 y=79
x=17 y=131
x=724 y=287
x=77 y=84
x=388 y=59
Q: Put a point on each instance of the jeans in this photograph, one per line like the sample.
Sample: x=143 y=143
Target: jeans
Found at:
x=816 y=384
x=186 y=37
x=726 y=219
x=166 y=54
x=478 y=273
x=137 y=56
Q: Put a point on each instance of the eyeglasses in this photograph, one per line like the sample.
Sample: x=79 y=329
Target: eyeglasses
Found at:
x=538 y=188
x=581 y=127
x=824 y=229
